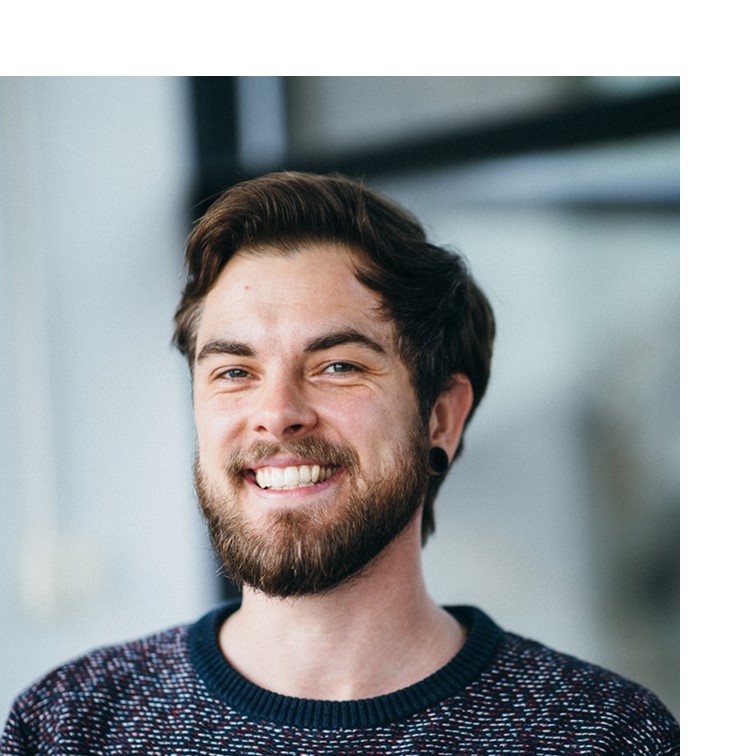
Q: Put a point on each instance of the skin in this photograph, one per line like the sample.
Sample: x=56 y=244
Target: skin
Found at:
x=291 y=346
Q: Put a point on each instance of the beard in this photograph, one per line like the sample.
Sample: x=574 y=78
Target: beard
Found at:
x=309 y=550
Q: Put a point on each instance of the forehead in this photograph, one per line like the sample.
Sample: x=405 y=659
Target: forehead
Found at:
x=313 y=285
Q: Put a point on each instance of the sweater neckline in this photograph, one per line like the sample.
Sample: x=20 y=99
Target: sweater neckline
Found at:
x=246 y=698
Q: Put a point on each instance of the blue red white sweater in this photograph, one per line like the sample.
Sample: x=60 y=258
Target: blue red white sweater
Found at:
x=174 y=693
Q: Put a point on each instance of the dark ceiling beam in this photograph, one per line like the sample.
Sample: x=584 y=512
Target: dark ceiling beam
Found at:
x=587 y=123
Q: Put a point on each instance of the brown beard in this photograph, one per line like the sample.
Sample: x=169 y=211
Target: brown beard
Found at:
x=298 y=552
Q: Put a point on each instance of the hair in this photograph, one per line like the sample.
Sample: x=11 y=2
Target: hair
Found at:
x=444 y=324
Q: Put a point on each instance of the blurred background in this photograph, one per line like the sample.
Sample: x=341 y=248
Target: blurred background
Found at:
x=560 y=519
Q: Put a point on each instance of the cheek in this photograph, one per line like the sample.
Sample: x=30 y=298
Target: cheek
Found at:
x=217 y=428
x=377 y=430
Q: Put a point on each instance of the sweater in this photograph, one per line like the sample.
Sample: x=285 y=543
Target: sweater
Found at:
x=174 y=693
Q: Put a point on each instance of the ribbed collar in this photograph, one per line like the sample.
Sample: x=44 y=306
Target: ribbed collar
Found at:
x=483 y=639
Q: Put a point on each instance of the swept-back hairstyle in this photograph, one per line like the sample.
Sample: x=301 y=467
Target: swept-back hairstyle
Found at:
x=444 y=324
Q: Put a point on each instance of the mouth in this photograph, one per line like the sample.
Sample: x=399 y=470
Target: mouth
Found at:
x=289 y=477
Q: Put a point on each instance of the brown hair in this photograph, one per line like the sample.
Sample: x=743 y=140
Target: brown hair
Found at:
x=444 y=323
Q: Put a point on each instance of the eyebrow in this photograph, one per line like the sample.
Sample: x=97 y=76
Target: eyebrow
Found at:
x=347 y=336
x=225 y=346
x=318 y=344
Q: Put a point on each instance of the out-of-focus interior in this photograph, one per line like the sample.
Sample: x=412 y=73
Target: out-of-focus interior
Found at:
x=561 y=517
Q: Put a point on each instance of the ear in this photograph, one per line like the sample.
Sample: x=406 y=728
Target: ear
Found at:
x=447 y=418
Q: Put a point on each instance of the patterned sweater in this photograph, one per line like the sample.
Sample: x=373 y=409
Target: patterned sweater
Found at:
x=174 y=693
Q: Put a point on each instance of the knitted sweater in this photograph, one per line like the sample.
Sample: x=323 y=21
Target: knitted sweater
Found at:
x=174 y=693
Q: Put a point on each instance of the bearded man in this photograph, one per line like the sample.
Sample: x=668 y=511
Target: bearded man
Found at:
x=336 y=359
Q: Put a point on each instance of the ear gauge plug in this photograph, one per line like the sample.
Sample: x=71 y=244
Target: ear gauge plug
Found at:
x=438 y=460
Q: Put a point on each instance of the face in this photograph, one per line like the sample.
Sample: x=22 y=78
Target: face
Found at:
x=311 y=456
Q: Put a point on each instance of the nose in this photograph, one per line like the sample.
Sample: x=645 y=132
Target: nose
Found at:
x=281 y=409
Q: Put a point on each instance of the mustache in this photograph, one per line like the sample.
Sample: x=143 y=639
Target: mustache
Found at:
x=339 y=455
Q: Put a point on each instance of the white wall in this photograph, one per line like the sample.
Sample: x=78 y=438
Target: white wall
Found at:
x=100 y=538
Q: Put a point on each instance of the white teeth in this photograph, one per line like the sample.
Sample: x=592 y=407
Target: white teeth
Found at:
x=292 y=477
x=305 y=474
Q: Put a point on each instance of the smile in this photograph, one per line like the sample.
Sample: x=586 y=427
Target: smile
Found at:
x=295 y=476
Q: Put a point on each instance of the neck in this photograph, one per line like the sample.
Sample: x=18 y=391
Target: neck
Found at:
x=377 y=633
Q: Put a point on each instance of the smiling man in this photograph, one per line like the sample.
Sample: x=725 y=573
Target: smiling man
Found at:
x=336 y=358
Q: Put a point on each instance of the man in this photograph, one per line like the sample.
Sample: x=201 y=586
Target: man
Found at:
x=336 y=357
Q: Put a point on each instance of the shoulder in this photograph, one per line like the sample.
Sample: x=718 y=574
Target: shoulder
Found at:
x=571 y=700
x=105 y=680
x=118 y=665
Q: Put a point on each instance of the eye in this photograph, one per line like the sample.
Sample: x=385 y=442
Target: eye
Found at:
x=234 y=374
x=341 y=367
